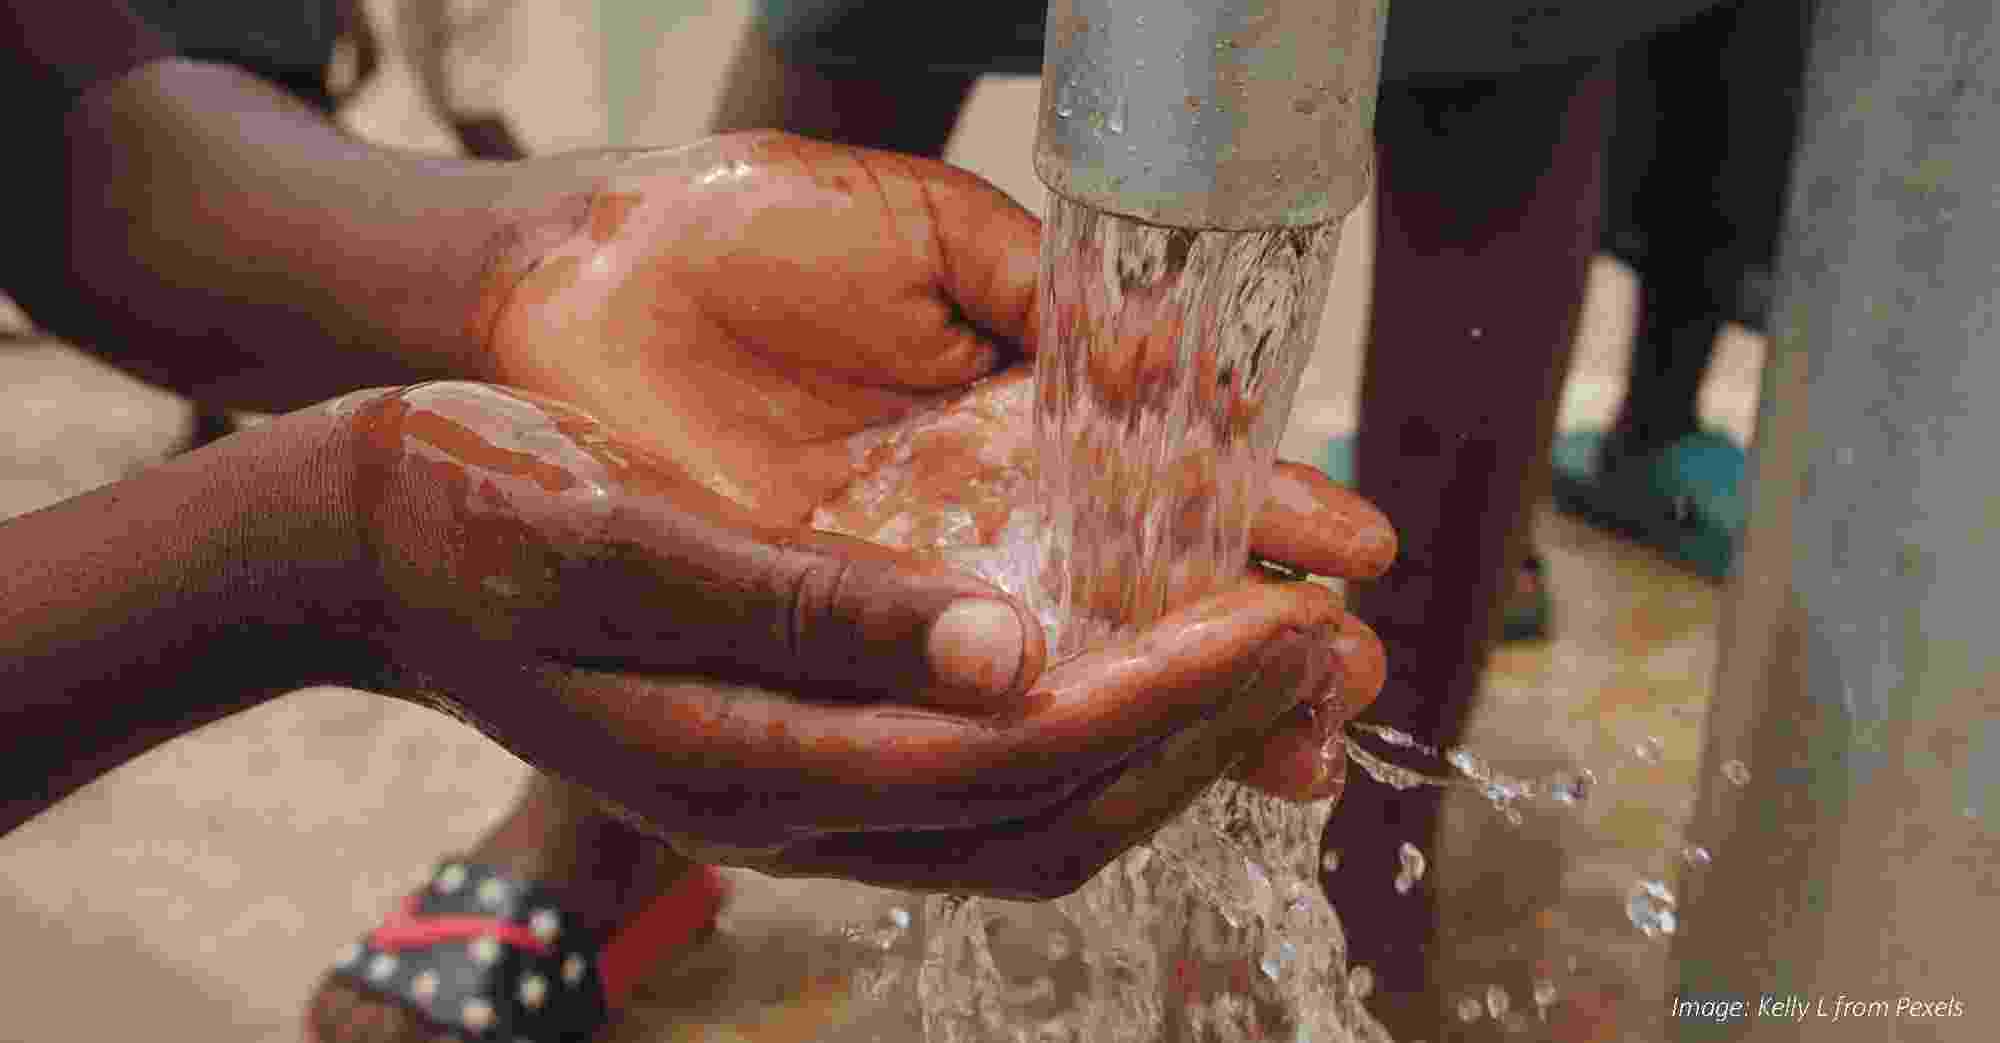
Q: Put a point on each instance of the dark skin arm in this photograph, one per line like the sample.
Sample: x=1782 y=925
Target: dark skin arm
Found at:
x=201 y=229
x=147 y=608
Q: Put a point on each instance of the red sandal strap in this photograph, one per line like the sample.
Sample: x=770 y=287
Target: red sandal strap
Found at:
x=670 y=921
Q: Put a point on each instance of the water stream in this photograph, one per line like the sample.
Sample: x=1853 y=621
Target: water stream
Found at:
x=1169 y=359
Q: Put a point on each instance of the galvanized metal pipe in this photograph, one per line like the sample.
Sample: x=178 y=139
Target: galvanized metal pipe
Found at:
x=1231 y=114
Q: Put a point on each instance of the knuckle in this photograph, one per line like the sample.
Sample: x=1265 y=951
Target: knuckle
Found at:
x=810 y=589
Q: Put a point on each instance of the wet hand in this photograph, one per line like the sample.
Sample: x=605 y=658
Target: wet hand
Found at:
x=955 y=475
x=746 y=302
x=767 y=697
x=514 y=550
x=1278 y=665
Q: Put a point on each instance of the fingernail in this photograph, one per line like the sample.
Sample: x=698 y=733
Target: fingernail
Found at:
x=976 y=646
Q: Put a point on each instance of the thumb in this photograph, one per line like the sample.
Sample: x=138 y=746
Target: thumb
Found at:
x=807 y=612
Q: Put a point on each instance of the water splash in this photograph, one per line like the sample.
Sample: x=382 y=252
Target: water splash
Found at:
x=1501 y=790
x=1650 y=907
x=1410 y=862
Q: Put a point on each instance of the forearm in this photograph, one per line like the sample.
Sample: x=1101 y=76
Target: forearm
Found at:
x=220 y=239
x=151 y=606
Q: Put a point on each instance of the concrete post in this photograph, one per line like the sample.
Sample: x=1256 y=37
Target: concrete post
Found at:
x=1851 y=773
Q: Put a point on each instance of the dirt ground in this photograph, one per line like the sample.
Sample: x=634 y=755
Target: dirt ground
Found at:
x=199 y=891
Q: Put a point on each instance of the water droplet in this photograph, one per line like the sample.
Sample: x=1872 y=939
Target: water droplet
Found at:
x=1496 y=1002
x=1412 y=870
x=1736 y=772
x=1330 y=862
x=900 y=917
x=1360 y=981
x=1275 y=961
x=1696 y=855
x=1649 y=750
x=1115 y=119
x=1064 y=110
x=1056 y=947
x=1650 y=907
x=1545 y=992
x=1477 y=333
x=1569 y=789
x=1469 y=1009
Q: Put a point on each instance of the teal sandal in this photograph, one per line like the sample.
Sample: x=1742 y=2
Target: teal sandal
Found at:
x=1528 y=607
x=1684 y=501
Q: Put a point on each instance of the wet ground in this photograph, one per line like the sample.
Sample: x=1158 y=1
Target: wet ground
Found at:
x=202 y=888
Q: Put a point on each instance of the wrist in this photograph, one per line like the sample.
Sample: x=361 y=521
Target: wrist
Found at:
x=146 y=608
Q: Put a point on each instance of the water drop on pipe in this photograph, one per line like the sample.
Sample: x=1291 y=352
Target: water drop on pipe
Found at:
x=1496 y=1002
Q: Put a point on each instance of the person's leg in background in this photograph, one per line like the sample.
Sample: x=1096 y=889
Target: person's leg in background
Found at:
x=1478 y=284
x=1696 y=174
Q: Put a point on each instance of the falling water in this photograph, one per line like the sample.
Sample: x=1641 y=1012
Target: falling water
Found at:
x=1168 y=363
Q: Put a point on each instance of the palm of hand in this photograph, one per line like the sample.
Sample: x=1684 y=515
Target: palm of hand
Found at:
x=746 y=305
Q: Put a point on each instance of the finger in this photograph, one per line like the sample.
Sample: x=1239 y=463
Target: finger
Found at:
x=989 y=247
x=1302 y=758
x=737 y=758
x=1311 y=523
x=673 y=588
x=1059 y=849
